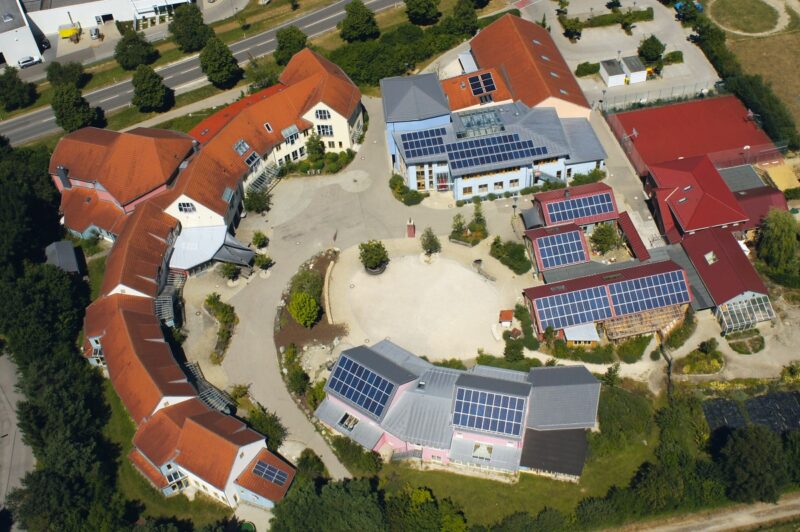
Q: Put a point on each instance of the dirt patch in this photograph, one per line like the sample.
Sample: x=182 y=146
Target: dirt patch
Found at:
x=289 y=331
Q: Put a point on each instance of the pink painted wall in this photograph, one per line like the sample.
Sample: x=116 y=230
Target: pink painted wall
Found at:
x=400 y=391
x=429 y=452
x=396 y=443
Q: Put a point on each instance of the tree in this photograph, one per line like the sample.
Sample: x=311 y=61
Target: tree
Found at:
x=430 y=242
x=464 y=20
x=359 y=23
x=459 y=226
x=611 y=377
x=262 y=261
x=258 y=201
x=651 y=49
x=290 y=41
x=261 y=72
x=573 y=27
x=477 y=216
x=777 y=242
x=297 y=380
x=71 y=109
x=309 y=466
x=149 y=91
x=315 y=148
x=295 y=4
x=304 y=309
x=480 y=4
x=190 y=32
x=69 y=73
x=422 y=12
x=309 y=281
x=259 y=240
x=413 y=509
x=230 y=271
x=373 y=254
x=754 y=465
x=268 y=424
x=133 y=50
x=15 y=93
x=605 y=238
x=791 y=448
x=219 y=65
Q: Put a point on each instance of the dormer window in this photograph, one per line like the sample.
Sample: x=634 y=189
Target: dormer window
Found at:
x=682 y=200
x=252 y=159
x=268 y=127
x=241 y=147
x=323 y=114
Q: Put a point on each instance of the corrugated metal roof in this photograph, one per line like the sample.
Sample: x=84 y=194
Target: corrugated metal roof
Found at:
x=612 y=67
x=584 y=146
x=499 y=373
x=410 y=98
x=502 y=457
x=380 y=364
x=422 y=419
x=560 y=376
x=365 y=433
x=564 y=406
x=493 y=384
x=401 y=357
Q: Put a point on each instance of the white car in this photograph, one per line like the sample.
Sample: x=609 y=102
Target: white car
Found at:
x=28 y=61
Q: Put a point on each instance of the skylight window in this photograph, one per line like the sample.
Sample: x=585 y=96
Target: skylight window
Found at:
x=536 y=41
x=545 y=58
x=687 y=188
x=268 y=127
x=682 y=200
x=554 y=74
x=710 y=257
x=227 y=194
x=241 y=147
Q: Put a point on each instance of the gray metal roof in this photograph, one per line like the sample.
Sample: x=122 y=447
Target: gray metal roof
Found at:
x=410 y=98
x=634 y=64
x=380 y=364
x=499 y=373
x=365 y=433
x=532 y=218
x=492 y=384
x=564 y=406
x=11 y=9
x=62 y=255
x=701 y=299
x=612 y=66
x=740 y=178
x=401 y=357
x=584 y=269
x=584 y=145
x=560 y=376
x=423 y=417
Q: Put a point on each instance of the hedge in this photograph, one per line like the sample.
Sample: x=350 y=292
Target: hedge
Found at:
x=792 y=193
x=597 y=355
x=674 y=57
x=631 y=351
x=587 y=69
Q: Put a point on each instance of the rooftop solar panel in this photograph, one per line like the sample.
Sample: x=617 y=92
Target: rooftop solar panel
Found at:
x=561 y=250
x=360 y=386
x=270 y=473
x=573 y=308
x=488 y=411
x=646 y=293
x=570 y=209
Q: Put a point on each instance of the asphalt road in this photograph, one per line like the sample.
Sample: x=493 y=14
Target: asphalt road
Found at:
x=184 y=75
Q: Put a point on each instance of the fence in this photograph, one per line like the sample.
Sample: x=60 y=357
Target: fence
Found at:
x=646 y=98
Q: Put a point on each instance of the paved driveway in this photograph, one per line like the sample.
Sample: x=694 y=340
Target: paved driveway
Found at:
x=16 y=458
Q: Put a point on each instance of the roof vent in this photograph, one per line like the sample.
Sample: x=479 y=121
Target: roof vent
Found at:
x=566 y=193
x=687 y=188
x=682 y=200
x=463 y=85
x=710 y=257
x=8 y=17
x=421 y=385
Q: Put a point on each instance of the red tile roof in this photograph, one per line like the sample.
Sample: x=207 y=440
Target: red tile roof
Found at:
x=688 y=129
x=540 y=232
x=527 y=55
x=459 y=92
x=506 y=315
x=82 y=208
x=140 y=363
x=326 y=82
x=260 y=486
x=696 y=194
x=213 y=124
x=757 y=202
x=157 y=438
x=209 y=443
x=722 y=265
x=147 y=469
x=632 y=236
x=128 y=165
x=543 y=199
x=137 y=255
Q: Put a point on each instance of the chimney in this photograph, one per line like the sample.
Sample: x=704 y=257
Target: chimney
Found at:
x=566 y=193
x=195 y=146
x=61 y=172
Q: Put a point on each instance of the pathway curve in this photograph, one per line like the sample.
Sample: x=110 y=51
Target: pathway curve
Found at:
x=778 y=5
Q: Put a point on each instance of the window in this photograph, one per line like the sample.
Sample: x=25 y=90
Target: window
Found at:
x=486 y=98
x=292 y=138
x=252 y=159
x=302 y=151
x=536 y=41
x=323 y=114
x=545 y=58
x=340 y=144
x=331 y=144
x=483 y=188
x=558 y=174
x=287 y=159
x=186 y=207
x=467 y=190
x=348 y=422
x=325 y=130
x=562 y=91
x=268 y=127
x=227 y=194
x=513 y=183
x=241 y=147
x=553 y=74
x=294 y=155
x=569 y=172
x=498 y=185
x=597 y=164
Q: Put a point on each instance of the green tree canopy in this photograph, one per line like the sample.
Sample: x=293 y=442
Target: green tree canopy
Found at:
x=258 y=201
x=219 y=65
x=430 y=242
x=605 y=238
x=373 y=254
x=791 y=448
x=310 y=466
x=651 y=49
x=777 y=242
x=268 y=424
x=15 y=93
x=188 y=28
x=359 y=23
x=67 y=73
x=134 y=50
x=315 y=148
x=304 y=309
x=754 y=465
x=261 y=72
x=71 y=109
x=290 y=41
x=149 y=91
x=464 y=20
x=422 y=12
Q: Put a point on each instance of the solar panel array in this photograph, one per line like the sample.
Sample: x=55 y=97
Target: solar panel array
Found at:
x=570 y=209
x=422 y=143
x=490 y=150
x=481 y=84
x=573 y=308
x=270 y=473
x=645 y=293
x=561 y=250
x=488 y=411
x=362 y=387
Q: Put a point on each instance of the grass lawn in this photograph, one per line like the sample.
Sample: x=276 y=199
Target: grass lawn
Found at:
x=531 y=494
x=97 y=269
x=749 y=16
x=133 y=486
x=187 y=122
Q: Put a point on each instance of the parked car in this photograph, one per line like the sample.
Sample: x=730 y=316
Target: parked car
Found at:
x=25 y=62
x=44 y=44
x=94 y=33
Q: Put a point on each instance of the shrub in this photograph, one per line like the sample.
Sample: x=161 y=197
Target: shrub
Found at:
x=605 y=238
x=703 y=360
x=260 y=240
x=596 y=355
x=593 y=176
x=227 y=319
x=674 y=57
x=655 y=354
x=230 y=271
x=373 y=254
x=258 y=201
x=680 y=334
x=587 y=69
x=792 y=193
x=452 y=363
x=316 y=394
x=625 y=418
x=304 y=309
x=268 y=424
x=499 y=362
x=511 y=254
x=307 y=281
x=430 y=242
x=355 y=458
x=529 y=340
x=297 y=380
x=631 y=350
x=310 y=466
x=402 y=193
x=262 y=261
x=513 y=350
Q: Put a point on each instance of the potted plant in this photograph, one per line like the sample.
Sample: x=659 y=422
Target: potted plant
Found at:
x=373 y=256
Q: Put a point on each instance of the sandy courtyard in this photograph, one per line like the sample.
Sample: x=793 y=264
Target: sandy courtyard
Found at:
x=439 y=310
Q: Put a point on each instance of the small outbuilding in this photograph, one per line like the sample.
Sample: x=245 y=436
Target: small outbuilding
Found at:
x=506 y=317
x=62 y=255
x=635 y=71
x=612 y=73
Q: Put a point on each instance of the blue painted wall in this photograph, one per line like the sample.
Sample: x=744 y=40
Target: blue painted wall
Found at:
x=391 y=127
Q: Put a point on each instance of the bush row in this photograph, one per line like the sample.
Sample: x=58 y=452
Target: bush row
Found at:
x=511 y=254
x=402 y=193
x=226 y=316
x=587 y=69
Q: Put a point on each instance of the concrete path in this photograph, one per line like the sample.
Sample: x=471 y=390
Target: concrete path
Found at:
x=16 y=458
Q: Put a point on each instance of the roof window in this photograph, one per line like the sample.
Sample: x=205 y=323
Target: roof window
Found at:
x=241 y=147
x=562 y=91
x=710 y=257
x=227 y=194
x=536 y=41
x=682 y=200
x=687 y=188
x=268 y=127
x=554 y=74
x=545 y=58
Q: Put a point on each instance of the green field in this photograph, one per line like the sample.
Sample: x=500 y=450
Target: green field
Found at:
x=748 y=16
